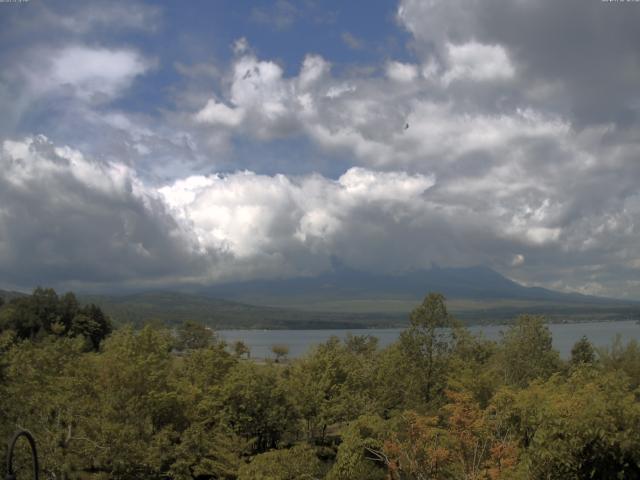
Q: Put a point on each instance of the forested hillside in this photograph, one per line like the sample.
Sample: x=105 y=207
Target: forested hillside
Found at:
x=437 y=404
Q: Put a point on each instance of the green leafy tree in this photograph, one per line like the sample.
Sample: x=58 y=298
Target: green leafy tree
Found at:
x=297 y=463
x=361 y=344
x=426 y=347
x=280 y=351
x=44 y=313
x=255 y=405
x=240 y=348
x=623 y=358
x=581 y=427
x=472 y=366
x=206 y=451
x=193 y=335
x=527 y=351
x=43 y=393
x=582 y=353
x=358 y=455
x=138 y=413
x=331 y=385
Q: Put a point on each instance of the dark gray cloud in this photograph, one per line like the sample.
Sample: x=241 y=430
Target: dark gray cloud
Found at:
x=578 y=58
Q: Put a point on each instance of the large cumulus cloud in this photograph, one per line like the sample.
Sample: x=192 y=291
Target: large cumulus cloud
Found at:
x=66 y=219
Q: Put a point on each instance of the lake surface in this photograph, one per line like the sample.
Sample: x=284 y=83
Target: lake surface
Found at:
x=300 y=342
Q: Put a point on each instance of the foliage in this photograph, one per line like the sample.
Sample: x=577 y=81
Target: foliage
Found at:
x=358 y=454
x=44 y=313
x=254 y=404
x=623 y=358
x=280 y=351
x=297 y=463
x=527 y=351
x=425 y=347
x=193 y=335
x=581 y=427
x=438 y=404
x=582 y=353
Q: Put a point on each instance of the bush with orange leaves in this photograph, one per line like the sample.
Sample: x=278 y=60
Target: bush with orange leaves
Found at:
x=463 y=442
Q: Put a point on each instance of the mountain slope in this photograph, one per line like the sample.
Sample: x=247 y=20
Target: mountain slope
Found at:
x=172 y=308
x=476 y=283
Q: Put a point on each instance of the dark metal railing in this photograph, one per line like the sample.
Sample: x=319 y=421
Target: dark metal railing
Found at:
x=34 y=455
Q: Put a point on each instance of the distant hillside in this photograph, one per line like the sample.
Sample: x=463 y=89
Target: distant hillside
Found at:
x=346 y=298
x=474 y=283
x=474 y=294
x=171 y=308
x=7 y=295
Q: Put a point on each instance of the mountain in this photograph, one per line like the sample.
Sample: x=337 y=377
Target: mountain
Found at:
x=474 y=294
x=8 y=295
x=347 y=298
x=477 y=283
x=172 y=308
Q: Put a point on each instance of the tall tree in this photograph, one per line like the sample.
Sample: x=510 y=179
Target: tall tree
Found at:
x=426 y=345
x=527 y=351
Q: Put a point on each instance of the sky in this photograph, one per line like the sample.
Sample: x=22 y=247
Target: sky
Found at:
x=161 y=144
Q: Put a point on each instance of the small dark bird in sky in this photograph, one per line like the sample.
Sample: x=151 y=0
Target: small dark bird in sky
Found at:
x=406 y=126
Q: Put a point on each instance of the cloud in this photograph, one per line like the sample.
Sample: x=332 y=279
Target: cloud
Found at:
x=218 y=113
x=574 y=58
x=509 y=132
x=90 y=74
x=314 y=67
x=502 y=161
x=76 y=220
x=477 y=62
x=401 y=72
x=253 y=215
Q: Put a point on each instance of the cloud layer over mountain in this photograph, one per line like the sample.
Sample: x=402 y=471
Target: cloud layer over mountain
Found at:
x=500 y=133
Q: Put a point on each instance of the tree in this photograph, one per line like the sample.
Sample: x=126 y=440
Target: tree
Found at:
x=361 y=344
x=240 y=348
x=44 y=313
x=255 y=405
x=462 y=442
x=331 y=385
x=582 y=353
x=622 y=358
x=358 y=453
x=193 y=335
x=584 y=426
x=426 y=346
x=297 y=463
x=527 y=351
x=280 y=351
x=138 y=414
x=92 y=324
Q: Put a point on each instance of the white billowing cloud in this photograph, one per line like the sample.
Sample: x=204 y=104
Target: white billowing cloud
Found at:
x=401 y=72
x=502 y=165
x=259 y=85
x=218 y=113
x=91 y=74
x=251 y=215
x=314 y=67
x=478 y=62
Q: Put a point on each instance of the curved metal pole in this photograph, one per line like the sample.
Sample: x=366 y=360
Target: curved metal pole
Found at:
x=34 y=454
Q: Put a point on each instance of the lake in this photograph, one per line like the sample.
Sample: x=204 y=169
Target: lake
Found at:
x=301 y=341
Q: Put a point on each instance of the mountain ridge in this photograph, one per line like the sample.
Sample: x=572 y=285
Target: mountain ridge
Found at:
x=476 y=282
